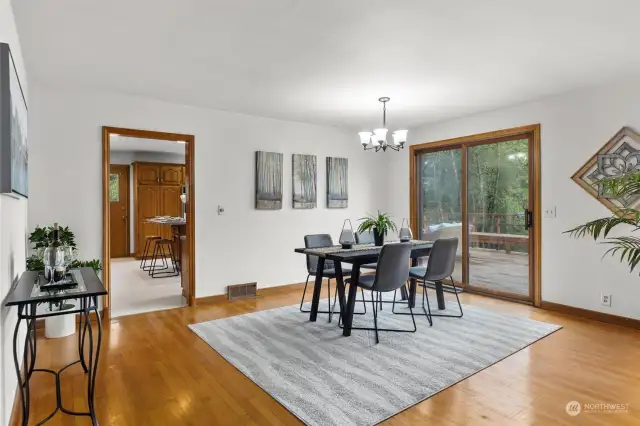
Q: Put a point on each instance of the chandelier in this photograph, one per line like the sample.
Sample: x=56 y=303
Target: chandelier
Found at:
x=378 y=139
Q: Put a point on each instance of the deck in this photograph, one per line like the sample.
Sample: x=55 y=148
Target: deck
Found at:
x=497 y=270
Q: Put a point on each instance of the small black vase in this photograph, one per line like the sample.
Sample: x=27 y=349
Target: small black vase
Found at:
x=378 y=237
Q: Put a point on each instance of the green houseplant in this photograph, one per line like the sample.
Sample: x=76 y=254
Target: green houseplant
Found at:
x=625 y=188
x=379 y=224
x=40 y=239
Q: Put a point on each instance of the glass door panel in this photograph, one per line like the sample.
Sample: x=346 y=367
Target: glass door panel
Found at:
x=498 y=206
x=440 y=199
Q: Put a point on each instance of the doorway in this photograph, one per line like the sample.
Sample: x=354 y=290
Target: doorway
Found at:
x=148 y=220
x=485 y=190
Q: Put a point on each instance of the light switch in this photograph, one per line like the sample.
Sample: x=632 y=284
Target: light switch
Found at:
x=550 y=212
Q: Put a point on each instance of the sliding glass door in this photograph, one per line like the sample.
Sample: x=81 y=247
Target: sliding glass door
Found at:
x=481 y=192
x=441 y=199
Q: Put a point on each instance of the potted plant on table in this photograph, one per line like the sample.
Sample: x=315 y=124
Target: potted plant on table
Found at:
x=40 y=238
x=379 y=224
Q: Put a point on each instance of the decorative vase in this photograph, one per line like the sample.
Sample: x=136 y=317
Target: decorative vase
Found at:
x=405 y=233
x=378 y=237
x=55 y=258
x=347 y=238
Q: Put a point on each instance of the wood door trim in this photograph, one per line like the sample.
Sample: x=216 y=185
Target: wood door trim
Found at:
x=191 y=205
x=478 y=139
x=127 y=168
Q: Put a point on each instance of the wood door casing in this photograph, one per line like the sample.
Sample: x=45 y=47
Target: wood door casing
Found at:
x=148 y=174
x=171 y=175
x=147 y=207
x=119 y=210
x=170 y=205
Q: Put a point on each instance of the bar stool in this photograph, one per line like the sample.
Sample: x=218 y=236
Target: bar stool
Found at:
x=159 y=250
x=145 y=254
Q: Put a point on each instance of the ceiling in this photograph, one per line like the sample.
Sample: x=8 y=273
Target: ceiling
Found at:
x=126 y=143
x=329 y=61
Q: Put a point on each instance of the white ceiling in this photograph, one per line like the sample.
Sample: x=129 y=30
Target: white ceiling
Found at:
x=329 y=61
x=125 y=143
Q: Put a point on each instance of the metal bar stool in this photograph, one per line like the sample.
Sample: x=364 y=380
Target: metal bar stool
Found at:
x=159 y=250
x=145 y=254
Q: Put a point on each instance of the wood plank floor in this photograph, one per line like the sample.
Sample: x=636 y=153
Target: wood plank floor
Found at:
x=155 y=371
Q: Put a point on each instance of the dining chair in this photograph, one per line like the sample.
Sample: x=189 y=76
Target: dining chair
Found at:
x=391 y=274
x=329 y=272
x=440 y=266
x=366 y=238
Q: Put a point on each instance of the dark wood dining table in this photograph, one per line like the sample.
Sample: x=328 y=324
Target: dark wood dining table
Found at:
x=357 y=256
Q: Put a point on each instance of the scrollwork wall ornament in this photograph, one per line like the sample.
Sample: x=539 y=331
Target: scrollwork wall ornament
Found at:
x=618 y=157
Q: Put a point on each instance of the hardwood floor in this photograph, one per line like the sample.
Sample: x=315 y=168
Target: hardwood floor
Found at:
x=155 y=371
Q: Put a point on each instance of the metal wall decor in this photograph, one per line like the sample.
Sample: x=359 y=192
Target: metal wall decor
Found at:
x=618 y=157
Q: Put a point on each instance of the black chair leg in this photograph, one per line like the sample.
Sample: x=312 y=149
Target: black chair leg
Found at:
x=455 y=290
x=329 y=299
x=375 y=317
x=428 y=314
x=304 y=292
x=364 y=304
x=375 y=304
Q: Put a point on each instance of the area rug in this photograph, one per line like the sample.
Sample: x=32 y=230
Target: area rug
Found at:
x=324 y=378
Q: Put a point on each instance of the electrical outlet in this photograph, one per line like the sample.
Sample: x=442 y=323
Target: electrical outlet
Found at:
x=220 y=210
x=605 y=299
x=550 y=212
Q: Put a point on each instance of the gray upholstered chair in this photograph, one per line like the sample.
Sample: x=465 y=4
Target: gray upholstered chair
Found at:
x=329 y=272
x=366 y=238
x=440 y=266
x=391 y=274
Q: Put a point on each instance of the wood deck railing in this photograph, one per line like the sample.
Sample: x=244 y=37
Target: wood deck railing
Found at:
x=501 y=231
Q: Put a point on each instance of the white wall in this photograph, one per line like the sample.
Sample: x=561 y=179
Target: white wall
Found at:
x=13 y=234
x=241 y=246
x=128 y=157
x=573 y=127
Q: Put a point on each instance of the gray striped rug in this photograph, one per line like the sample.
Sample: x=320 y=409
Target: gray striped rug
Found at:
x=324 y=378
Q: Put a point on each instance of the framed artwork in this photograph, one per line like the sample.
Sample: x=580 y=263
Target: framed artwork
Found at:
x=619 y=156
x=268 y=180
x=304 y=174
x=14 y=158
x=337 y=183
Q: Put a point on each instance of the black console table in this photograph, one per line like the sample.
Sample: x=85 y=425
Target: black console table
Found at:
x=27 y=295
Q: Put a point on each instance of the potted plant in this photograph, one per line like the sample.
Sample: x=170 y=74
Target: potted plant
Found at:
x=624 y=187
x=42 y=237
x=379 y=224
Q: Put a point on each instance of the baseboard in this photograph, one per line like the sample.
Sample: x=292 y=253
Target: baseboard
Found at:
x=208 y=300
x=592 y=315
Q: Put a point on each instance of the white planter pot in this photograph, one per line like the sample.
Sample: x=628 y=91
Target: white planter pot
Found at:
x=60 y=325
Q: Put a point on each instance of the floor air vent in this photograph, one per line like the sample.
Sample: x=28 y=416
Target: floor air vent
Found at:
x=242 y=291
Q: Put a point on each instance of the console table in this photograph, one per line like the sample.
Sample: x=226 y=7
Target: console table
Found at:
x=27 y=295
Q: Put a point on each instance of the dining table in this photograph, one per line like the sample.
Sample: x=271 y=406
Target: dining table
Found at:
x=356 y=256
